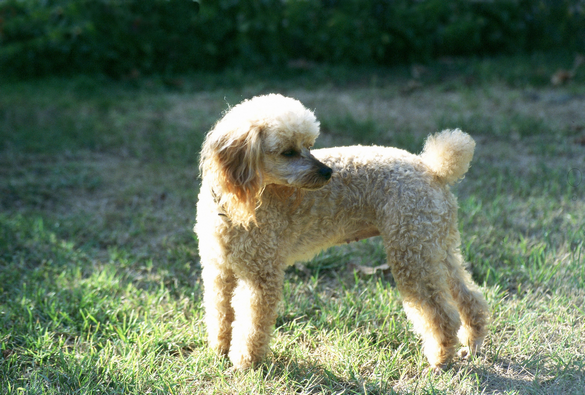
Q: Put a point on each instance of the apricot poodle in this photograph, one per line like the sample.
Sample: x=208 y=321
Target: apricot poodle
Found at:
x=268 y=201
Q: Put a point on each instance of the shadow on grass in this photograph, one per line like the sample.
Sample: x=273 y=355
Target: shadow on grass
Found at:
x=531 y=376
x=313 y=378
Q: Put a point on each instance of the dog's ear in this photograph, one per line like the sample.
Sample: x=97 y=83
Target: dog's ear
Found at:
x=233 y=161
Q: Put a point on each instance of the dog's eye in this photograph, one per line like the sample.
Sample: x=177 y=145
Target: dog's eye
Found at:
x=290 y=153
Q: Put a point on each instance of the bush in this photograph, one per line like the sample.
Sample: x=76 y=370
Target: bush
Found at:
x=114 y=37
x=125 y=37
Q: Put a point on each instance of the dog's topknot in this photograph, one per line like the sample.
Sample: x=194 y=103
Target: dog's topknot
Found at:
x=448 y=154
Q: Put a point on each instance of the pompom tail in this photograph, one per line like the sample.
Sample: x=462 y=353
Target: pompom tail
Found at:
x=448 y=154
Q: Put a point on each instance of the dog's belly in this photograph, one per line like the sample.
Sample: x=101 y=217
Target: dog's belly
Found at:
x=364 y=233
x=307 y=248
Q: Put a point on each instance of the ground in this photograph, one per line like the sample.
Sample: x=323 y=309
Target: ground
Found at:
x=99 y=271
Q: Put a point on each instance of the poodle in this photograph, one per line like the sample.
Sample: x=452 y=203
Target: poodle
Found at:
x=268 y=201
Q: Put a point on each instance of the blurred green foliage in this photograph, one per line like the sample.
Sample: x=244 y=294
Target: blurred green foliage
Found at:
x=126 y=37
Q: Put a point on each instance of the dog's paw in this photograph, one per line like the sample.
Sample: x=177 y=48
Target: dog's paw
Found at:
x=221 y=351
x=464 y=353
x=242 y=364
x=467 y=352
x=240 y=361
x=439 y=369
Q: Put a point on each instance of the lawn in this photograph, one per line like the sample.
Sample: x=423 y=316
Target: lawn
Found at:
x=100 y=289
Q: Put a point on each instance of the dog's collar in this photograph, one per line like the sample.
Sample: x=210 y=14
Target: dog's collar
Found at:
x=216 y=201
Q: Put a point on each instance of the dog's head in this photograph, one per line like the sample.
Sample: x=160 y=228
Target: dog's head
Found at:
x=262 y=141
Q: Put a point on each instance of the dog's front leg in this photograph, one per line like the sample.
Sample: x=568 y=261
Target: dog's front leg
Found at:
x=255 y=303
x=219 y=284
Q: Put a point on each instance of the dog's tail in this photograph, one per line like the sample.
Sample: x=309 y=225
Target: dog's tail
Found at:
x=448 y=154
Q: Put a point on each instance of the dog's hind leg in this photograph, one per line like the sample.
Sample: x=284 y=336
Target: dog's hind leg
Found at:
x=427 y=302
x=255 y=302
x=471 y=304
x=219 y=285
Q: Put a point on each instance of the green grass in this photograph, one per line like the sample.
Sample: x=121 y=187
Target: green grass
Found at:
x=100 y=289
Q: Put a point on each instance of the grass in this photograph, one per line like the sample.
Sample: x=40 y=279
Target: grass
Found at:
x=100 y=290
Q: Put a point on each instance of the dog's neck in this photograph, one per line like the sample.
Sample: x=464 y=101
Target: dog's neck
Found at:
x=281 y=193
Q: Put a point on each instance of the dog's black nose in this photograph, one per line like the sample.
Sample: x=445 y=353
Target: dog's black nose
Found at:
x=325 y=172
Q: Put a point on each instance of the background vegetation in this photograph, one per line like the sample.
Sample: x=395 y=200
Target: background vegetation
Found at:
x=126 y=37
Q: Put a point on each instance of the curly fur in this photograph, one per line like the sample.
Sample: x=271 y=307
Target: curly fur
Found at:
x=267 y=201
